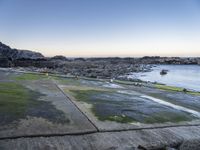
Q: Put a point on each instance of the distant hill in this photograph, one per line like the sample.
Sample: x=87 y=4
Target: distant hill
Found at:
x=14 y=54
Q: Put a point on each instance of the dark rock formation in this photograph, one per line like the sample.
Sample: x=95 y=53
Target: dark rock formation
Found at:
x=14 y=54
x=59 y=57
x=4 y=61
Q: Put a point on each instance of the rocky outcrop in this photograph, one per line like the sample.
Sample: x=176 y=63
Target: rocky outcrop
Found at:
x=91 y=67
x=169 y=60
x=14 y=54
x=4 y=61
x=59 y=57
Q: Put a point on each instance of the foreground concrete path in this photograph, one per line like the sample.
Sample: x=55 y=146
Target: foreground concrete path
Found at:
x=182 y=138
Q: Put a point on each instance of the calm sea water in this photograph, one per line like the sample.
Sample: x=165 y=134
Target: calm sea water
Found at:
x=186 y=76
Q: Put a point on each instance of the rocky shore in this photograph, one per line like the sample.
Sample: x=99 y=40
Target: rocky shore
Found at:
x=89 y=67
x=66 y=113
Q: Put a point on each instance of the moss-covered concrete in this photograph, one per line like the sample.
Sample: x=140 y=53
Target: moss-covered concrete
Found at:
x=27 y=76
x=119 y=118
x=88 y=93
x=18 y=102
x=106 y=106
x=128 y=82
x=86 y=96
x=68 y=81
x=175 y=89
x=15 y=98
x=162 y=117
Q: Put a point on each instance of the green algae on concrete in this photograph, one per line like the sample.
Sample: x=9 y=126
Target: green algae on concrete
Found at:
x=167 y=117
x=14 y=98
x=66 y=80
x=175 y=89
x=18 y=102
x=84 y=95
x=119 y=118
x=112 y=106
x=29 y=76
x=128 y=82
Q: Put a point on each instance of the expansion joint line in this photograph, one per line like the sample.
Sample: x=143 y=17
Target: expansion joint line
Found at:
x=93 y=132
x=77 y=107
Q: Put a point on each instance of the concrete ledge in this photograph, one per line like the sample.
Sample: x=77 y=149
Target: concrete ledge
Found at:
x=182 y=138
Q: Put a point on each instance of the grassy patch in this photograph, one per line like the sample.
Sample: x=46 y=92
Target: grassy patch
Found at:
x=27 y=76
x=176 y=89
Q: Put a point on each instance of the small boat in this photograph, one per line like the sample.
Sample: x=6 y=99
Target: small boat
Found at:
x=163 y=72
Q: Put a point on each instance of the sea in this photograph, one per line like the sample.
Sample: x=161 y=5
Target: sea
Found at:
x=184 y=76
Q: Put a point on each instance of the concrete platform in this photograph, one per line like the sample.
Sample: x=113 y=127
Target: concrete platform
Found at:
x=118 y=107
x=46 y=112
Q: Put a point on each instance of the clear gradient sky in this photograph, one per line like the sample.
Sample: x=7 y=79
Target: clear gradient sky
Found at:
x=102 y=27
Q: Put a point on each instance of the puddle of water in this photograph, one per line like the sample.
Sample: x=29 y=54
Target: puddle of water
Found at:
x=193 y=112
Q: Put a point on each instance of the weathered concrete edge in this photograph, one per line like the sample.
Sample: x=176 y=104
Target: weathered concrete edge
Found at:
x=93 y=132
x=153 y=139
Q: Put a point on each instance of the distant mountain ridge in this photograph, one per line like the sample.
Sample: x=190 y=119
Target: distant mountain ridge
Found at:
x=14 y=54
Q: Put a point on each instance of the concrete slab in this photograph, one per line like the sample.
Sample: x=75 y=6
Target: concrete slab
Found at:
x=31 y=106
x=119 y=107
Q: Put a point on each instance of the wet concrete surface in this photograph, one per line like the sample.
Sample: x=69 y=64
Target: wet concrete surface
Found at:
x=92 y=115
x=173 y=138
x=119 y=107
x=50 y=112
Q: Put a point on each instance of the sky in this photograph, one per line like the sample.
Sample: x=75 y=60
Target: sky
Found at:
x=102 y=28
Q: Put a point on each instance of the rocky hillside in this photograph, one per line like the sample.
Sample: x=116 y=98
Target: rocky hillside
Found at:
x=14 y=54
